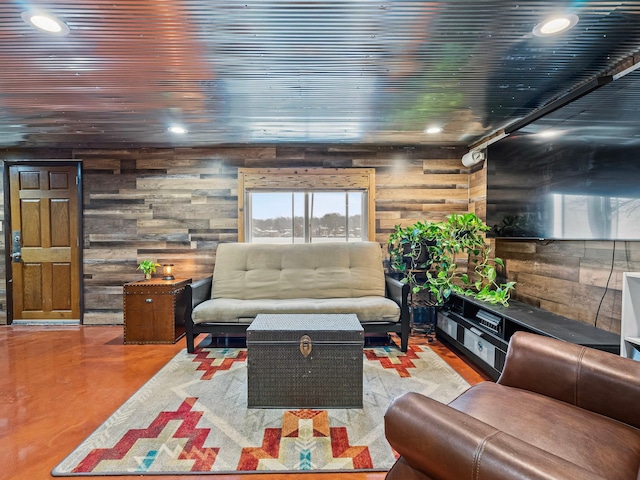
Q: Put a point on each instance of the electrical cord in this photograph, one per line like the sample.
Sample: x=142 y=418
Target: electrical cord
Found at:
x=606 y=288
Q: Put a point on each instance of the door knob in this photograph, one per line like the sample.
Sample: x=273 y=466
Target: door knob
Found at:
x=16 y=246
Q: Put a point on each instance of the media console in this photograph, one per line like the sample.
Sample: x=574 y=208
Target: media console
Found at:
x=482 y=331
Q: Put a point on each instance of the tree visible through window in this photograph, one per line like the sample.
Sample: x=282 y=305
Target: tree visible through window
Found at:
x=303 y=217
x=292 y=205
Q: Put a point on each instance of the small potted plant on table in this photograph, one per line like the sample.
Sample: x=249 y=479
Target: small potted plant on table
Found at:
x=148 y=267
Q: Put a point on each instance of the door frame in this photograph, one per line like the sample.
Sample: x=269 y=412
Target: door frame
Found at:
x=7 y=226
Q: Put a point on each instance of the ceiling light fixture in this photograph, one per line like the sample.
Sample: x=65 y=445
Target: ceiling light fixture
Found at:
x=549 y=133
x=433 y=130
x=45 y=22
x=555 y=25
x=177 y=129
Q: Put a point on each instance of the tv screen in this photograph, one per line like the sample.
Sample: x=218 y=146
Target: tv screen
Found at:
x=573 y=174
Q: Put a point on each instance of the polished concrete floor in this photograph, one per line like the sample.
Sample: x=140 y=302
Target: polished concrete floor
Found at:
x=58 y=384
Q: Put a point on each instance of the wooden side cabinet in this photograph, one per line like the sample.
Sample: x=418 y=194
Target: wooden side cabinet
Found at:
x=154 y=310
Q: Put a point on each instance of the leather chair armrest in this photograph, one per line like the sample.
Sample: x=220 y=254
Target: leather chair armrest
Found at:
x=443 y=443
x=598 y=381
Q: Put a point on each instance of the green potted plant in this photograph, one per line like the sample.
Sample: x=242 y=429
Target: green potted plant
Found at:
x=409 y=247
x=459 y=235
x=148 y=267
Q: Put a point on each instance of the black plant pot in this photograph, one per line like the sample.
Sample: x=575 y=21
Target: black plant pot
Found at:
x=424 y=257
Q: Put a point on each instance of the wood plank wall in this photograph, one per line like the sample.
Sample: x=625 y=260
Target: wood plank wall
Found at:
x=578 y=279
x=176 y=205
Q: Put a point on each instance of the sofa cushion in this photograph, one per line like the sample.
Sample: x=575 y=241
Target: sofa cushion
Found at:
x=557 y=427
x=324 y=270
x=229 y=310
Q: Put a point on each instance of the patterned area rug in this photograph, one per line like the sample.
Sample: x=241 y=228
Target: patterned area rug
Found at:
x=192 y=416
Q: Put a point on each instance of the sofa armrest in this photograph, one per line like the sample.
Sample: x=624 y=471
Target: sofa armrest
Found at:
x=598 y=381
x=201 y=291
x=399 y=293
x=196 y=293
x=443 y=443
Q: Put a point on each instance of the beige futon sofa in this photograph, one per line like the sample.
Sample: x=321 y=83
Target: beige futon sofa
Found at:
x=250 y=279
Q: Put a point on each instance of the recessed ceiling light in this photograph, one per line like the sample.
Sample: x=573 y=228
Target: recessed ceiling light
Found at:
x=177 y=129
x=555 y=25
x=433 y=130
x=45 y=22
x=549 y=133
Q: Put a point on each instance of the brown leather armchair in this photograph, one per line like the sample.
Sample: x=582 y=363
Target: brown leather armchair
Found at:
x=558 y=411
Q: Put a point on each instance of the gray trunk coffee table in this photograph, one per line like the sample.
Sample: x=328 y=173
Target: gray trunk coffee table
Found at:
x=305 y=361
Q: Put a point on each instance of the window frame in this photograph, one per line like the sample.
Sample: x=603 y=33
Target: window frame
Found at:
x=309 y=180
x=309 y=217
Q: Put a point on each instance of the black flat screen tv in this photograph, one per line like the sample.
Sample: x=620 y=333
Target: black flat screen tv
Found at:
x=573 y=174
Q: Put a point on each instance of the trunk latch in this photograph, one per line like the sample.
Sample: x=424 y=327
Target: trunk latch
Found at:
x=305 y=345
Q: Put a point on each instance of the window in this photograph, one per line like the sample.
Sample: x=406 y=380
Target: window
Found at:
x=303 y=217
x=308 y=205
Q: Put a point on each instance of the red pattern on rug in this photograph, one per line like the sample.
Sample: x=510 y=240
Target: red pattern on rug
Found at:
x=393 y=359
x=341 y=449
x=193 y=448
x=251 y=456
x=211 y=365
x=273 y=438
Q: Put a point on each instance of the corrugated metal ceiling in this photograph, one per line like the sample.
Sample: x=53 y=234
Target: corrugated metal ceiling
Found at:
x=350 y=71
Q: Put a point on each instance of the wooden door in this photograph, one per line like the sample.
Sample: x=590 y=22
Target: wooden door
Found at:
x=44 y=243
